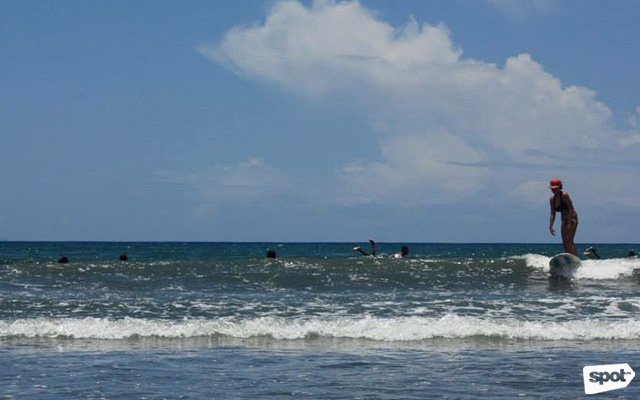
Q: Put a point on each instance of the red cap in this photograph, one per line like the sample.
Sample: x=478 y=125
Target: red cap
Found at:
x=555 y=184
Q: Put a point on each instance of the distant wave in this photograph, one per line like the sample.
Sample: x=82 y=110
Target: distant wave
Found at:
x=377 y=329
x=614 y=268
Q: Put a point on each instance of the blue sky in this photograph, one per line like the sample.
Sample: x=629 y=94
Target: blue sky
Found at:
x=412 y=121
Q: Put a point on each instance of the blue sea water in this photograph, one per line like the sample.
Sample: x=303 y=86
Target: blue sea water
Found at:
x=221 y=321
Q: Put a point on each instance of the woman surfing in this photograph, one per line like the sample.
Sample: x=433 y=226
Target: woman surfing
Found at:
x=561 y=202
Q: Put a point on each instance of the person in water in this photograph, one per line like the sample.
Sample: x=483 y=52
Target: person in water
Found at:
x=404 y=251
x=561 y=202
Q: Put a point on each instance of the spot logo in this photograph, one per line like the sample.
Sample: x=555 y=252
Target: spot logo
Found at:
x=602 y=378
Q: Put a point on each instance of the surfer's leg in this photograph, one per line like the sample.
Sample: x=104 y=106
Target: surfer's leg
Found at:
x=572 y=235
x=568 y=234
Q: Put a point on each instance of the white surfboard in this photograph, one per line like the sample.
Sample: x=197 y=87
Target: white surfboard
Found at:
x=563 y=264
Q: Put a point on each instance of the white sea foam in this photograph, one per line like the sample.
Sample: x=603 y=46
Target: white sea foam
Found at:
x=378 y=329
x=614 y=268
x=536 y=261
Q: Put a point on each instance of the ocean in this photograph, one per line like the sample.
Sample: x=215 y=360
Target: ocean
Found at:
x=222 y=321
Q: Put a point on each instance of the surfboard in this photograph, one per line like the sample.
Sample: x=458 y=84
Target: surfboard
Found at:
x=563 y=264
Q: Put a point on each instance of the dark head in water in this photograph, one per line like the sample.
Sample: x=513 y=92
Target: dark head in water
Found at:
x=123 y=257
x=271 y=254
x=404 y=251
x=64 y=260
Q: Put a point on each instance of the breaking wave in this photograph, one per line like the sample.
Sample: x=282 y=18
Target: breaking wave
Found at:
x=609 y=269
x=400 y=329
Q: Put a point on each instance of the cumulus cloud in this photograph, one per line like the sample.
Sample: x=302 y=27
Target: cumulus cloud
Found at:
x=417 y=164
x=447 y=126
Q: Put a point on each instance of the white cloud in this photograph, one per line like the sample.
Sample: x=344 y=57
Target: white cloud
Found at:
x=442 y=121
x=631 y=140
x=419 y=169
x=635 y=118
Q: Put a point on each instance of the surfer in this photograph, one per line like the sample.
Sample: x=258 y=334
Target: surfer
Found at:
x=561 y=202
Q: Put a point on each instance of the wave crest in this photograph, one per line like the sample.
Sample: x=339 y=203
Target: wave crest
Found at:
x=609 y=269
x=400 y=329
